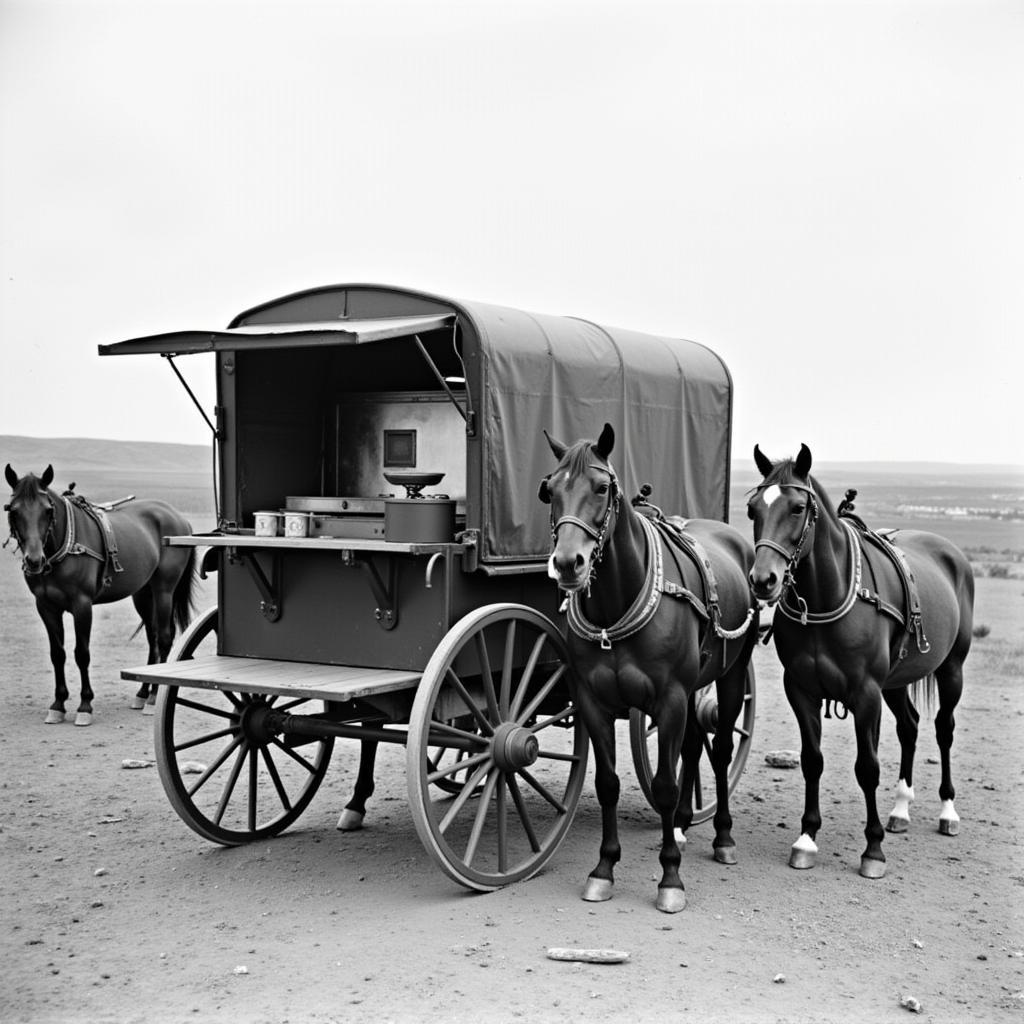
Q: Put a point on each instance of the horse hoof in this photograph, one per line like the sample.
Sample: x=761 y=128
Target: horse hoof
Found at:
x=350 y=821
x=949 y=826
x=725 y=854
x=872 y=868
x=597 y=890
x=671 y=901
x=54 y=717
x=803 y=854
x=137 y=703
x=83 y=718
x=896 y=824
x=148 y=709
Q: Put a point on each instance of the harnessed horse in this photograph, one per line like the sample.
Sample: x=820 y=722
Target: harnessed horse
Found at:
x=648 y=602
x=859 y=620
x=75 y=555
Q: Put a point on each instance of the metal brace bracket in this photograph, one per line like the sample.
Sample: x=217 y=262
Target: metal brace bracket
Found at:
x=270 y=590
x=385 y=594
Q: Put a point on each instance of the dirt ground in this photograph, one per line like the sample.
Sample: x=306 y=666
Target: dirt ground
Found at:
x=114 y=910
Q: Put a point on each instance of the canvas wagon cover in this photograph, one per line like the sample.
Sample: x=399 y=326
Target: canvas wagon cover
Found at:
x=668 y=400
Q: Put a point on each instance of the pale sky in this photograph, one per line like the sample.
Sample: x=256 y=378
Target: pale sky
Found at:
x=830 y=195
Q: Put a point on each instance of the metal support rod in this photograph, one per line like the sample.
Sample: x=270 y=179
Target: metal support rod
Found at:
x=195 y=401
x=308 y=725
x=440 y=378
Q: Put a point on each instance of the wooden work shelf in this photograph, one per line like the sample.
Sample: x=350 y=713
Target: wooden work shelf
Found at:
x=250 y=540
x=286 y=678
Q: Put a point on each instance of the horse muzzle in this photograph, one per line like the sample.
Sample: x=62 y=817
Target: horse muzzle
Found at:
x=569 y=578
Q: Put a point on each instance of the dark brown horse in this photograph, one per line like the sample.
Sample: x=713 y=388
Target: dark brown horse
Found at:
x=647 y=629
x=74 y=557
x=859 y=620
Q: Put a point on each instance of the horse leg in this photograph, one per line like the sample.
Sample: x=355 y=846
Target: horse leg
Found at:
x=82 y=614
x=950 y=678
x=53 y=620
x=730 y=690
x=867 y=720
x=665 y=794
x=144 y=606
x=606 y=782
x=355 y=810
x=907 y=719
x=693 y=745
x=807 y=709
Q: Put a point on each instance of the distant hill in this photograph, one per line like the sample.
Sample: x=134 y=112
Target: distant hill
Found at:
x=77 y=454
x=181 y=474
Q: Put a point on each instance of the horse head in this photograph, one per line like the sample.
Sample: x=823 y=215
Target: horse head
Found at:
x=583 y=493
x=783 y=508
x=30 y=515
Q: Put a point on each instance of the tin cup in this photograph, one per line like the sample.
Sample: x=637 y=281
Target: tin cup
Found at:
x=267 y=524
x=296 y=524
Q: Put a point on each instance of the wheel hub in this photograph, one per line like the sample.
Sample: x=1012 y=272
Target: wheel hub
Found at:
x=514 y=747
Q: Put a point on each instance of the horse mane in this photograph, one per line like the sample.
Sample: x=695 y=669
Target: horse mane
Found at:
x=29 y=487
x=783 y=473
x=578 y=457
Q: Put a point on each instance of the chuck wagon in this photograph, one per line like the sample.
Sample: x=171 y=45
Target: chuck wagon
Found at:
x=380 y=558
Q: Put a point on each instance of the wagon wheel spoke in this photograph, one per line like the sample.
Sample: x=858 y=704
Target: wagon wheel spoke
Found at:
x=480 y=818
x=459 y=766
x=229 y=786
x=543 y=790
x=205 y=738
x=527 y=677
x=542 y=695
x=524 y=814
x=211 y=771
x=297 y=758
x=275 y=777
x=467 y=791
x=487 y=678
x=207 y=710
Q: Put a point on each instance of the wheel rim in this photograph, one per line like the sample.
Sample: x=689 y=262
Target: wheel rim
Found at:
x=497 y=813
x=643 y=736
x=229 y=774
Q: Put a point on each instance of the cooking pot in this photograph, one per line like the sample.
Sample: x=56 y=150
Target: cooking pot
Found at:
x=419 y=520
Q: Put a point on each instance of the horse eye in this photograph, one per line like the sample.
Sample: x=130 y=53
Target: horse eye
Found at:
x=602 y=488
x=798 y=510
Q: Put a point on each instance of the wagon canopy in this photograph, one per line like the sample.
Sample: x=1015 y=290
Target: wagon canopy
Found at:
x=669 y=400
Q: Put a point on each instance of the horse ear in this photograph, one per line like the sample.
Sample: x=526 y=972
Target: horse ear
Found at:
x=557 y=447
x=763 y=463
x=11 y=476
x=803 y=461
x=545 y=492
x=606 y=442
x=47 y=478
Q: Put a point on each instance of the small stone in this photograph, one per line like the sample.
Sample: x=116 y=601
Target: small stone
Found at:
x=911 y=1004
x=241 y=969
x=99 y=872
x=783 y=758
x=779 y=979
x=918 y=944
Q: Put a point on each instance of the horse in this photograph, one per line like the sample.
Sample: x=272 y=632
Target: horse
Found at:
x=629 y=648
x=75 y=555
x=859 y=620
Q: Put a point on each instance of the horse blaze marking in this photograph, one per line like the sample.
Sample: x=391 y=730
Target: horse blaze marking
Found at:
x=771 y=494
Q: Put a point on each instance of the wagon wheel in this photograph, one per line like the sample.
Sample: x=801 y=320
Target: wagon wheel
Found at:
x=227 y=772
x=643 y=737
x=506 y=804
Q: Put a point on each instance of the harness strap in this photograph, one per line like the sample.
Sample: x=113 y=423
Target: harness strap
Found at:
x=912 y=621
x=111 y=563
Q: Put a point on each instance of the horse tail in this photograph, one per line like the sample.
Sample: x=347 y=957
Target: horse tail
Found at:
x=924 y=695
x=184 y=593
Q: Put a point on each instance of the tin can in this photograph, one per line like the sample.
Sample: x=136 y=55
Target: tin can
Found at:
x=267 y=524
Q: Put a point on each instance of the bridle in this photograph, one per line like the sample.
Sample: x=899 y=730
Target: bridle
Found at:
x=48 y=534
x=599 y=533
x=800 y=613
x=810 y=518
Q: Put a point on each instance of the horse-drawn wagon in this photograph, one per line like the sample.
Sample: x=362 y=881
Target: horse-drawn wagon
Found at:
x=381 y=562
